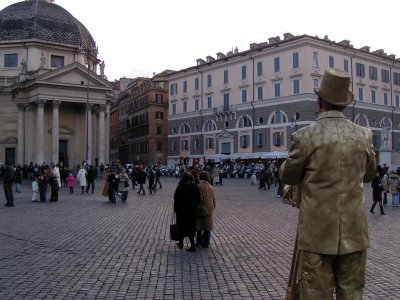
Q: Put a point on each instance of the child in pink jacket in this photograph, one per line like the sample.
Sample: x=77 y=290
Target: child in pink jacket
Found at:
x=71 y=181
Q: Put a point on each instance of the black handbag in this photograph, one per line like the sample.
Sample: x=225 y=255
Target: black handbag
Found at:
x=175 y=232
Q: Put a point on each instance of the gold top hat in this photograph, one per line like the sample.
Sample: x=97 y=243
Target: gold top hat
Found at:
x=334 y=88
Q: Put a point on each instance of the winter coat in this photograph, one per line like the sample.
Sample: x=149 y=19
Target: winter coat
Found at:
x=123 y=177
x=377 y=188
x=71 y=181
x=81 y=177
x=206 y=198
x=393 y=182
x=186 y=199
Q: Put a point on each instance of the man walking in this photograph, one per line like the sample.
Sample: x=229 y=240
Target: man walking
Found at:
x=329 y=161
x=8 y=179
x=91 y=175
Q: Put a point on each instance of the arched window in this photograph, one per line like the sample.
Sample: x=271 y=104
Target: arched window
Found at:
x=210 y=125
x=361 y=120
x=278 y=117
x=185 y=128
x=244 y=122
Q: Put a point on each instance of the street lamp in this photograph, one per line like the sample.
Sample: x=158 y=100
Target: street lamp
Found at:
x=90 y=51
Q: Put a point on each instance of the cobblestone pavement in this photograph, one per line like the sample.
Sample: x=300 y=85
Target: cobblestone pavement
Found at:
x=83 y=247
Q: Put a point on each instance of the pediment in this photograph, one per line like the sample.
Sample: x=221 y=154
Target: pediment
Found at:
x=73 y=74
x=9 y=140
x=224 y=135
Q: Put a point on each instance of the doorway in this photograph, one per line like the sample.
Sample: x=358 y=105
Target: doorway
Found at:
x=63 y=152
x=10 y=155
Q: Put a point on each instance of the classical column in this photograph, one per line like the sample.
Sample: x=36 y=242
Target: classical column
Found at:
x=102 y=134
x=40 y=132
x=21 y=141
x=30 y=133
x=89 y=133
x=107 y=139
x=55 y=133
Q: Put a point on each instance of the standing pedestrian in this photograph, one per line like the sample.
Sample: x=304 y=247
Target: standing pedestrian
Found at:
x=55 y=186
x=207 y=199
x=35 y=189
x=18 y=178
x=123 y=185
x=141 y=179
x=186 y=200
x=329 y=160
x=8 y=179
x=91 y=175
x=158 y=176
x=377 y=189
x=394 y=185
x=81 y=177
x=71 y=182
x=113 y=180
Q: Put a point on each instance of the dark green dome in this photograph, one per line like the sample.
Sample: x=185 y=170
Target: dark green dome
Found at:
x=40 y=20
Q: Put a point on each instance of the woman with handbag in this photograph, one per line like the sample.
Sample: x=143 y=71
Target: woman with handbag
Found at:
x=207 y=206
x=186 y=200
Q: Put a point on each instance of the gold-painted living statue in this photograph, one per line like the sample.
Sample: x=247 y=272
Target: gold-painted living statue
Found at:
x=328 y=162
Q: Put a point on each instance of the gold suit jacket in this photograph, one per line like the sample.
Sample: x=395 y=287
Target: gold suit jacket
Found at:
x=330 y=160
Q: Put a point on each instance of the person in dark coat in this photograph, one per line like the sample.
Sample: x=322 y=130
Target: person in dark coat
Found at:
x=114 y=182
x=141 y=179
x=186 y=200
x=377 y=189
x=91 y=175
x=8 y=179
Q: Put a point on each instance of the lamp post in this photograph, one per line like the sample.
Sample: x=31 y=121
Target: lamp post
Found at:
x=89 y=50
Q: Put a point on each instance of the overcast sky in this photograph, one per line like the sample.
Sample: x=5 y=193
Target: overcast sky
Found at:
x=137 y=38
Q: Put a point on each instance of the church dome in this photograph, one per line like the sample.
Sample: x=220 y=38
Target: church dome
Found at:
x=44 y=21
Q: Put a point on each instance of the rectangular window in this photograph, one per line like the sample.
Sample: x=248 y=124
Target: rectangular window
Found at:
x=209 y=80
x=184 y=107
x=316 y=82
x=226 y=102
x=244 y=141
x=159 y=115
x=315 y=60
x=159 y=146
x=259 y=68
x=196 y=104
x=360 y=94
x=174 y=108
x=57 y=61
x=296 y=62
x=296 y=86
x=244 y=72
x=196 y=84
x=196 y=144
x=185 y=145
x=173 y=146
x=11 y=60
x=226 y=76
x=159 y=98
x=277 y=87
x=260 y=140
x=331 y=61
x=385 y=76
x=260 y=93
x=209 y=102
x=173 y=89
x=159 y=130
x=244 y=96
x=373 y=73
x=373 y=96
x=210 y=143
x=346 y=65
x=278 y=138
x=185 y=86
x=360 y=70
x=277 y=64
x=396 y=78
x=397 y=100
x=385 y=98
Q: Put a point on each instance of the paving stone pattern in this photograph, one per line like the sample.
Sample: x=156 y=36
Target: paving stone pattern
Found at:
x=83 y=247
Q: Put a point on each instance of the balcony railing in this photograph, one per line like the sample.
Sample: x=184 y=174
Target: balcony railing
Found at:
x=6 y=81
x=225 y=109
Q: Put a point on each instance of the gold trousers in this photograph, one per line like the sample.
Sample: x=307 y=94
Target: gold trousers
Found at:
x=320 y=274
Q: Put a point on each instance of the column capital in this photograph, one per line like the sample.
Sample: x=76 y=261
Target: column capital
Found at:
x=89 y=106
x=56 y=103
x=41 y=103
x=102 y=107
x=21 y=106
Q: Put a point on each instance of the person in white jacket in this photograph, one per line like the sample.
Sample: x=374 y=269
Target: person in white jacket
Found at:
x=81 y=177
